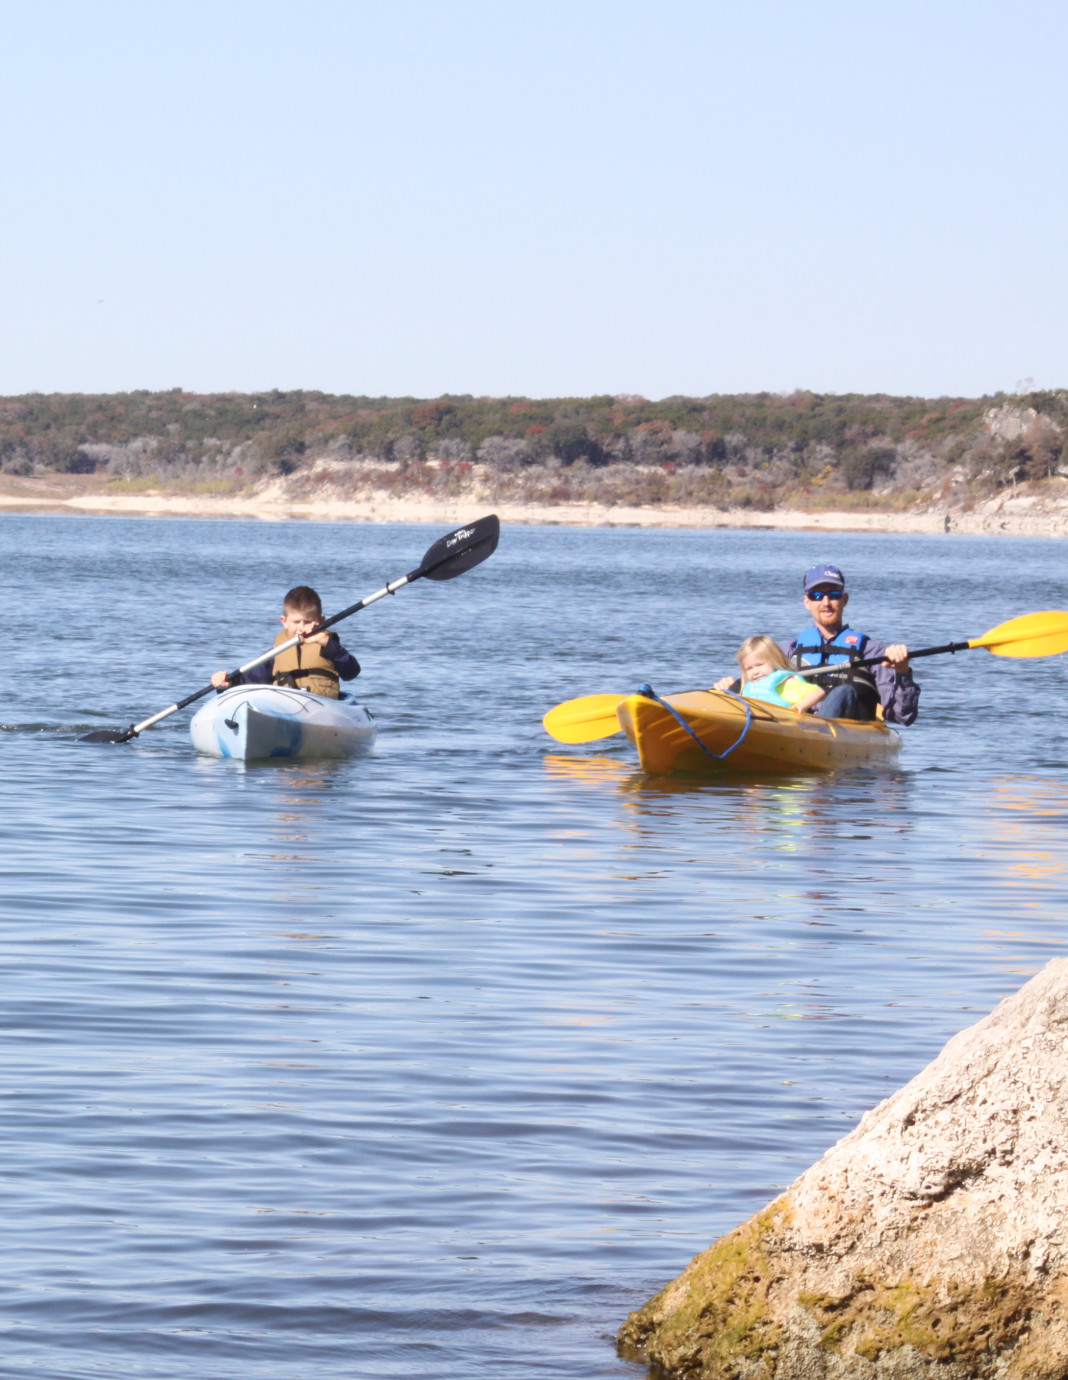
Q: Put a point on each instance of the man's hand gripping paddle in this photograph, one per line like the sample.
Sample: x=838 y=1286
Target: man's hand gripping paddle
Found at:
x=450 y=556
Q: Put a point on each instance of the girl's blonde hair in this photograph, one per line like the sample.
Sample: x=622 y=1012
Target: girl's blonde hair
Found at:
x=767 y=647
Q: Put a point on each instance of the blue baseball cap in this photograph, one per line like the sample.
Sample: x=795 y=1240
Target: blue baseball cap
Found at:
x=824 y=575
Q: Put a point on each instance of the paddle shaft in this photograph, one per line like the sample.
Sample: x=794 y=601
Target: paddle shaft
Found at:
x=807 y=672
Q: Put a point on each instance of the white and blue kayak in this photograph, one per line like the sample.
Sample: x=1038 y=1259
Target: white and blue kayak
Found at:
x=257 y=722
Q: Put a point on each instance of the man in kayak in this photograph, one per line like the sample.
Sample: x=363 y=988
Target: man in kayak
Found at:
x=318 y=663
x=856 y=691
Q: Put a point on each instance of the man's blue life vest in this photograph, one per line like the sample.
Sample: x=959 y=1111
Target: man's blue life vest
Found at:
x=845 y=648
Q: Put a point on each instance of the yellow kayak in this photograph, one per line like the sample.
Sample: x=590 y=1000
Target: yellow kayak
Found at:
x=746 y=735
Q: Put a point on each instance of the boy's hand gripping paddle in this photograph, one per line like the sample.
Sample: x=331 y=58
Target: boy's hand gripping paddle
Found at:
x=450 y=556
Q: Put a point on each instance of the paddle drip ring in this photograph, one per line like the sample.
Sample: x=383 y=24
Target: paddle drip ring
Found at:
x=650 y=694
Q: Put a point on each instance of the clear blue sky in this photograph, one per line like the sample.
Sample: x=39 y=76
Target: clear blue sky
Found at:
x=534 y=196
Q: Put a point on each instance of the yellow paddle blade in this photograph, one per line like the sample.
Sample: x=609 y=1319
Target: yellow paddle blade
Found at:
x=1032 y=634
x=585 y=719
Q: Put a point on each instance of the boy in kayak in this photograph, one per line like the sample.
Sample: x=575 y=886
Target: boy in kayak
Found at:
x=318 y=663
x=857 y=691
x=766 y=676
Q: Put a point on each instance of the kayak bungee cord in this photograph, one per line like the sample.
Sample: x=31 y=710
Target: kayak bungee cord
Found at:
x=647 y=692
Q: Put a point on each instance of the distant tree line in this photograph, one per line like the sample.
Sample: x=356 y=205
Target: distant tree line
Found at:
x=762 y=449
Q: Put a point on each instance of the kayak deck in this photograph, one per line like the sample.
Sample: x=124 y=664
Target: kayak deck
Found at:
x=746 y=735
x=262 y=722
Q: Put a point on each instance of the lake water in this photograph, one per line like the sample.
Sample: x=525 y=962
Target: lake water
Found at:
x=436 y=1063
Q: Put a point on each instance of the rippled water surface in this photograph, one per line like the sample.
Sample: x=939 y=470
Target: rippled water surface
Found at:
x=436 y=1063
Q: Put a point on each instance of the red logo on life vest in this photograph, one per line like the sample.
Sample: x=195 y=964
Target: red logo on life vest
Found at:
x=851 y=640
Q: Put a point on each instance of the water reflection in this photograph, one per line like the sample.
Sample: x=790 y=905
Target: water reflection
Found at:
x=1023 y=814
x=812 y=801
x=802 y=815
x=1022 y=838
x=574 y=770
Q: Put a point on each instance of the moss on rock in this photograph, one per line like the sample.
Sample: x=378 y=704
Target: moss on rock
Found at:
x=714 y=1320
x=942 y=1321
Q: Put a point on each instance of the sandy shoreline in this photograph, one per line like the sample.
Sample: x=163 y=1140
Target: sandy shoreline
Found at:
x=1021 y=514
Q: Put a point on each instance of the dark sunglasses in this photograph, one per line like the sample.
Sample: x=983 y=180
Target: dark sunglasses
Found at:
x=816 y=595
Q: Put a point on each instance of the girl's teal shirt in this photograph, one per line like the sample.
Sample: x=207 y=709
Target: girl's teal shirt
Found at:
x=767 y=688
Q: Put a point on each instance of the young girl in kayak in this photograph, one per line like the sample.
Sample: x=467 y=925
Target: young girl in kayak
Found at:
x=766 y=676
x=318 y=663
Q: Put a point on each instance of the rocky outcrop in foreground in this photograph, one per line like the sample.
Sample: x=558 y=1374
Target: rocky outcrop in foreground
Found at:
x=930 y=1244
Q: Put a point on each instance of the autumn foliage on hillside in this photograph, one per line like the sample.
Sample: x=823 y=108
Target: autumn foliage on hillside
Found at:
x=760 y=450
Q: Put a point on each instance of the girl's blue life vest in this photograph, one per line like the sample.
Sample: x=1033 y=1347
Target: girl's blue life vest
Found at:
x=766 y=688
x=840 y=650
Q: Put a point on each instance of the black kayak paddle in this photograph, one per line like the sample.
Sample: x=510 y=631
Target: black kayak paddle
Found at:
x=450 y=556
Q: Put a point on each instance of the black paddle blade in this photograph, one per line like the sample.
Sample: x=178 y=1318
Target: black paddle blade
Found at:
x=461 y=550
x=106 y=735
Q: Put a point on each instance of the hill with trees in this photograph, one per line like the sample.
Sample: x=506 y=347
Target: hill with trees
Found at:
x=764 y=450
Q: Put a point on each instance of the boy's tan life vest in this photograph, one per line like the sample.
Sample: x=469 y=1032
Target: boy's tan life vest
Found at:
x=304 y=667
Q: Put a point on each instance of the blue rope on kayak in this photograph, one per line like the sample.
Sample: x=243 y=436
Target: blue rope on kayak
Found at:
x=650 y=694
